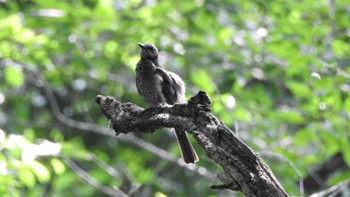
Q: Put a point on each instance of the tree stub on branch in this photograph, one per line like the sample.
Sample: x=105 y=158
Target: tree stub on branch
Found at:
x=243 y=170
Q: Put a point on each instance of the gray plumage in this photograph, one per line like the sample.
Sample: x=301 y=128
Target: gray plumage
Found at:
x=159 y=86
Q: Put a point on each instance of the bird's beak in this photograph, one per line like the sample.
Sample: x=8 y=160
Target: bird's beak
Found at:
x=141 y=45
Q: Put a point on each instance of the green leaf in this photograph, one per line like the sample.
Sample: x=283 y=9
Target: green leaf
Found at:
x=104 y=10
x=26 y=177
x=304 y=136
x=14 y=76
x=346 y=154
x=331 y=144
x=11 y=24
x=58 y=166
x=65 y=181
x=146 y=176
x=340 y=48
x=202 y=80
x=292 y=117
x=338 y=177
x=242 y=114
x=40 y=171
x=299 y=89
x=56 y=135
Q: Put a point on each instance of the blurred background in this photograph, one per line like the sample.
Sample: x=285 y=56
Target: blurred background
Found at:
x=277 y=72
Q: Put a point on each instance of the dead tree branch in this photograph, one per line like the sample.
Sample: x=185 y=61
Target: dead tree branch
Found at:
x=243 y=170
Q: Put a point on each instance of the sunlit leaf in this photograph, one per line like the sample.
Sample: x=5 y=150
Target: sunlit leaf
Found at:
x=299 y=89
x=58 y=166
x=40 y=171
x=346 y=153
x=304 y=136
x=340 y=48
x=292 y=117
x=104 y=10
x=330 y=142
x=26 y=177
x=14 y=76
x=201 y=78
x=242 y=114
x=339 y=177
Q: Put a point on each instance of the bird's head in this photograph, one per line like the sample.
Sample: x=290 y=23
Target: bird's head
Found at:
x=148 y=51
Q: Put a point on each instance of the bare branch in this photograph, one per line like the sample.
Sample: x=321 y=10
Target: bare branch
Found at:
x=334 y=190
x=243 y=170
x=91 y=181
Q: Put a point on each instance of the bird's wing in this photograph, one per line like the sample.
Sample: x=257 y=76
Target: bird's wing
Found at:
x=172 y=86
x=164 y=74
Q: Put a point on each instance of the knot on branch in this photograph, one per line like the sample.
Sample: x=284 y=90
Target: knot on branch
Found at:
x=117 y=111
x=108 y=105
x=199 y=106
x=200 y=102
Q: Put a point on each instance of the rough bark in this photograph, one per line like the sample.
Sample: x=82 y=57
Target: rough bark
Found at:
x=243 y=170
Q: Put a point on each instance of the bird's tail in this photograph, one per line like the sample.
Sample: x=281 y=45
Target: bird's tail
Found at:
x=188 y=153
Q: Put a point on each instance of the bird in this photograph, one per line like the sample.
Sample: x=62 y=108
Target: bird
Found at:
x=157 y=86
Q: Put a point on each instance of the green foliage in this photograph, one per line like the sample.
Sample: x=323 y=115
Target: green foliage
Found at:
x=14 y=76
x=276 y=70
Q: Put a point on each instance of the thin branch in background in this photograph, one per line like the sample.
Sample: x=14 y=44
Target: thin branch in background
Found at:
x=327 y=65
x=134 y=185
x=109 y=169
x=342 y=73
x=91 y=181
x=120 y=174
x=290 y=163
x=130 y=138
x=334 y=190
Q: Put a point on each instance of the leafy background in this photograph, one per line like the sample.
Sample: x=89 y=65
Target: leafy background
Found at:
x=277 y=72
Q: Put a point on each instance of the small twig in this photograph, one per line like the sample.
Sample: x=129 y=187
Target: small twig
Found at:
x=291 y=164
x=332 y=191
x=91 y=181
